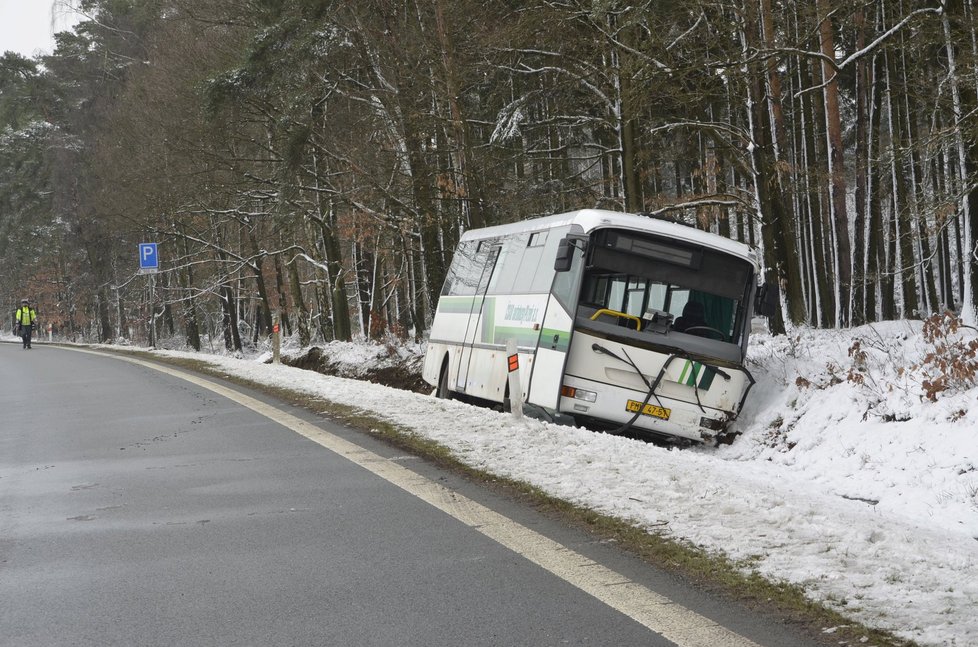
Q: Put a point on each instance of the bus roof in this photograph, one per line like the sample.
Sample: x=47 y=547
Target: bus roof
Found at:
x=593 y=219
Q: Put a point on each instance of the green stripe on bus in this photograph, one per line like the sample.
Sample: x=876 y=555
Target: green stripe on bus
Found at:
x=523 y=336
x=493 y=334
x=562 y=339
x=693 y=371
x=488 y=320
x=708 y=374
x=455 y=305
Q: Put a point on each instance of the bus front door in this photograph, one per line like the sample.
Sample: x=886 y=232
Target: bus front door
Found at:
x=475 y=326
x=550 y=357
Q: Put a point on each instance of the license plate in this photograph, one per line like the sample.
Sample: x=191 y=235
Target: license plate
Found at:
x=649 y=410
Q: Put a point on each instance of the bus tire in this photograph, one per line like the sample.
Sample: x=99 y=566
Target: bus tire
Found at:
x=443 y=391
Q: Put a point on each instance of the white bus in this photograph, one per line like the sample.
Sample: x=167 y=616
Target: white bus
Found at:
x=622 y=323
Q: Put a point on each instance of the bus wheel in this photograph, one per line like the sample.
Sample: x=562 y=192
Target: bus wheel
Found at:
x=443 y=391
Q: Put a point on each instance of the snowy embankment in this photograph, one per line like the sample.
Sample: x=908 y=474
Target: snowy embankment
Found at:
x=847 y=479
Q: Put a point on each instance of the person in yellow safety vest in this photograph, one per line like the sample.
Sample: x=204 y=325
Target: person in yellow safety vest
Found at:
x=25 y=319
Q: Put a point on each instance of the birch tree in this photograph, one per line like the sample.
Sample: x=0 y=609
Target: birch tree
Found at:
x=836 y=166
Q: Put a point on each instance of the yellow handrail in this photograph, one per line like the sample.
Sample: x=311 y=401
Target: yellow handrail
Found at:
x=615 y=313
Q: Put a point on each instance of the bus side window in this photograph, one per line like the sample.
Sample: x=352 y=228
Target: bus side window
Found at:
x=545 y=249
x=466 y=269
x=616 y=293
x=677 y=301
x=501 y=280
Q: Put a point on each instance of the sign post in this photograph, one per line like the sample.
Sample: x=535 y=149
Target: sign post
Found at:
x=149 y=263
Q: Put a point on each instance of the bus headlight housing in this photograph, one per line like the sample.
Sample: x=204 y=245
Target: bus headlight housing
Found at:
x=713 y=423
x=578 y=394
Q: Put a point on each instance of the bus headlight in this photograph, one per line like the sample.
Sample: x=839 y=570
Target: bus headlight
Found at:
x=712 y=423
x=578 y=394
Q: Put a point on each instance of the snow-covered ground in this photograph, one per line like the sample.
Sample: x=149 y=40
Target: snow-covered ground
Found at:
x=847 y=479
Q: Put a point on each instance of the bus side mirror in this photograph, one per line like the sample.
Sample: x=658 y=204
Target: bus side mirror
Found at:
x=565 y=254
x=768 y=299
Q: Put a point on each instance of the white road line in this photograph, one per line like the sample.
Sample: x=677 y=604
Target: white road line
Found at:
x=660 y=614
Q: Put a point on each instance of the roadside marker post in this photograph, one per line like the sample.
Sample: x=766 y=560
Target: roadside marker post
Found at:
x=276 y=339
x=515 y=390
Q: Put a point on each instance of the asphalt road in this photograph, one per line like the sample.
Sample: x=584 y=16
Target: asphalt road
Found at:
x=140 y=509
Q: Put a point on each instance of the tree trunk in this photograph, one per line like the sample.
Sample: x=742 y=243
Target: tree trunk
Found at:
x=185 y=278
x=342 y=330
x=906 y=263
x=965 y=101
x=282 y=295
x=232 y=339
x=470 y=205
x=105 y=335
x=862 y=176
x=837 y=171
x=265 y=318
x=301 y=316
x=875 y=244
x=944 y=273
x=777 y=223
x=821 y=213
x=889 y=265
x=914 y=167
x=413 y=291
x=363 y=262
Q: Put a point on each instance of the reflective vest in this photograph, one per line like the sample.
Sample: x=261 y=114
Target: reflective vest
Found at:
x=25 y=316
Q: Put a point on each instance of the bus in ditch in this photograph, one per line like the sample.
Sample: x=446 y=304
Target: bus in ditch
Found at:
x=621 y=322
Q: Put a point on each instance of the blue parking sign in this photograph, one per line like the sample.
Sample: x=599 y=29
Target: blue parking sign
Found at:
x=149 y=261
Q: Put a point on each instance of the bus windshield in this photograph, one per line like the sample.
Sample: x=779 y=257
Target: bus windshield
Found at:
x=703 y=290
x=692 y=310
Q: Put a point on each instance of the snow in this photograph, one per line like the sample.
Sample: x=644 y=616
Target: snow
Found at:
x=846 y=479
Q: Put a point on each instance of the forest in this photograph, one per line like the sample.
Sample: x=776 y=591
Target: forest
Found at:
x=316 y=161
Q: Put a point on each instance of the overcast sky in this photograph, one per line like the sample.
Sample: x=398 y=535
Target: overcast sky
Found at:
x=25 y=26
